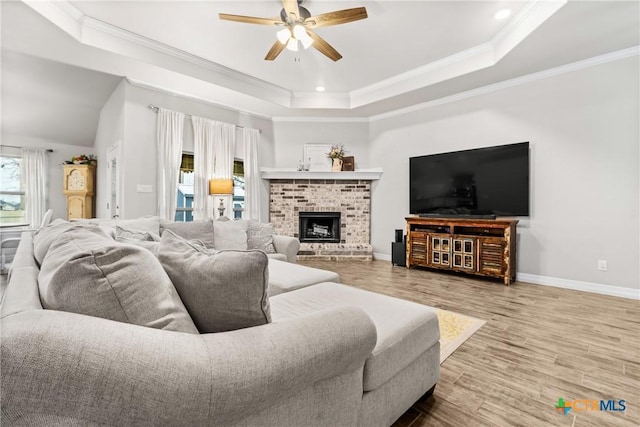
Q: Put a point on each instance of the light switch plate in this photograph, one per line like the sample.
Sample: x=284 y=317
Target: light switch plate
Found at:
x=144 y=188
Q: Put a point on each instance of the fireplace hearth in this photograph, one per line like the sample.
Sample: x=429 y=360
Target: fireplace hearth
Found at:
x=351 y=199
x=322 y=227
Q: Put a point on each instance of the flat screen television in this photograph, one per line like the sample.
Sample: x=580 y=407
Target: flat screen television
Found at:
x=483 y=182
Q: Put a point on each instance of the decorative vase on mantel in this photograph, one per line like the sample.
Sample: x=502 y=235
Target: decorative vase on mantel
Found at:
x=336 y=165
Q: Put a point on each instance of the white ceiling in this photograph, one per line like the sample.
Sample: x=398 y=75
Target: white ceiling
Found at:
x=405 y=53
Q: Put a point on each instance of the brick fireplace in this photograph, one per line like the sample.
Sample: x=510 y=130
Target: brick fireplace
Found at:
x=349 y=199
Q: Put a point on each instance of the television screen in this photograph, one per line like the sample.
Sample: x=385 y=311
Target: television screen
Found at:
x=491 y=181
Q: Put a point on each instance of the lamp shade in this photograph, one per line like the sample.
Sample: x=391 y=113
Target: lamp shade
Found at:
x=220 y=186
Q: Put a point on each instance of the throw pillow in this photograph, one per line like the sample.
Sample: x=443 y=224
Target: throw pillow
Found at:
x=148 y=245
x=223 y=290
x=43 y=238
x=260 y=236
x=145 y=223
x=86 y=272
x=146 y=236
x=202 y=230
x=230 y=235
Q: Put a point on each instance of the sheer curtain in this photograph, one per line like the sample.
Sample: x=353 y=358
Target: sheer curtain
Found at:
x=34 y=173
x=203 y=159
x=169 y=135
x=251 y=138
x=223 y=148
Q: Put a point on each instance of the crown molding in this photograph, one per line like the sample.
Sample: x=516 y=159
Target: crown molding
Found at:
x=551 y=72
x=100 y=34
x=226 y=106
x=96 y=33
x=476 y=58
x=315 y=119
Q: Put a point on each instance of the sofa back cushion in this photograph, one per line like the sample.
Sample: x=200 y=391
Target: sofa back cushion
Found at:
x=230 y=235
x=201 y=230
x=222 y=290
x=87 y=272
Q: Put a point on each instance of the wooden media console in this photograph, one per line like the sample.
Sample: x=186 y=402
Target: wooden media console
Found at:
x=484 y=247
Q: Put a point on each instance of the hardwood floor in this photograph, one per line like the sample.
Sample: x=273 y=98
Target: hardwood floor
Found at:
x=539 y=344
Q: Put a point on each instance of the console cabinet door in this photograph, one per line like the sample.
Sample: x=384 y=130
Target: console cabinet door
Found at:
x=419 y=248
x=491 y=256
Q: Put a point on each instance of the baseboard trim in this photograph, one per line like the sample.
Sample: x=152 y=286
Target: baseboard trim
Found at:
x=381 y=257
x=556 y=282
x=577 y=285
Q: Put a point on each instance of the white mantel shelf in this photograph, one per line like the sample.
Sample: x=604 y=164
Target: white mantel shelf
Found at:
x=360 y=174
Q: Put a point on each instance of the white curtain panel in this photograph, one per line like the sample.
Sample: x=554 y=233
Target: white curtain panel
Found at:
x=170 y=128
x=34 y=173
x=252 y=182
x=223 y=149
x=203 y=159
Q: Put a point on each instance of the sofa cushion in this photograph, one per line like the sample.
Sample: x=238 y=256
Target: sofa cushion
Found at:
x=285 y=276
x=201 y=230
x=43 y=238
x=87 y=272
x=230 y=235
x=222 y=290
x=405 y=329
x=260 y=236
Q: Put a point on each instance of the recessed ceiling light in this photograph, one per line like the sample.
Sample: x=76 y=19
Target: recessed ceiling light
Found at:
x=320 y=88
x=502 y=14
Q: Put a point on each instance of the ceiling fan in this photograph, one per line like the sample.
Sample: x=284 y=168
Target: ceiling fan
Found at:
x=298 y=27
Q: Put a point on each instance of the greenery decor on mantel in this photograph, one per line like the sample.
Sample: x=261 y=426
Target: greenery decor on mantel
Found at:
x=336 y=154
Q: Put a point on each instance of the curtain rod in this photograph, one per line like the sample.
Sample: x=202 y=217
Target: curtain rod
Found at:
x=48 y=150
x=155 y=110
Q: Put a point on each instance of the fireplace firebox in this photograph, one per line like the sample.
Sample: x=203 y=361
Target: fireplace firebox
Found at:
x=319 y=227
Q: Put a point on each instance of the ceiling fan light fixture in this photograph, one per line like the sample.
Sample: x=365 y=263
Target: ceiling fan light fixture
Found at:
x=306 y=41
x=299 y=31
x=292 y=45
x=284 y=35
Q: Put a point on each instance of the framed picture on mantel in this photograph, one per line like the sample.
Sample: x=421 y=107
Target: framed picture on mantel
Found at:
x=315 y=155
x=349 y=163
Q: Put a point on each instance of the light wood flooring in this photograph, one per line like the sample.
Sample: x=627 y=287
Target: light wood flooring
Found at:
x=539 y=344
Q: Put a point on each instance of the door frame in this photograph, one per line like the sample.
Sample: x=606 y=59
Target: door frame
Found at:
x=114 y=153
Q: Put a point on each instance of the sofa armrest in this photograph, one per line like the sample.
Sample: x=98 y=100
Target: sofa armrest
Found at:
x=64 y=366
x=287 y=245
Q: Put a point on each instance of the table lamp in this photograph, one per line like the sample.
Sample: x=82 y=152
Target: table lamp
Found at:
x=221 y=187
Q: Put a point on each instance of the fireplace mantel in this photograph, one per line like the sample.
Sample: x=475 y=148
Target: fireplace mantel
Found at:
x=360 y=174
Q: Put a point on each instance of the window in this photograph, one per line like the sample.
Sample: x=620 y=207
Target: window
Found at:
x=238 y=189
x=11 y=192
x=184 y=206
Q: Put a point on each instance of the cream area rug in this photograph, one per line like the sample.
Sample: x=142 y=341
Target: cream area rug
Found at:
x=454 y=330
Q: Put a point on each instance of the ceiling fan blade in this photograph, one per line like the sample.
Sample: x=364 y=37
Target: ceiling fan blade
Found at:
x=336 y=17
x=324 y=47
x=291 y=7
x=274 y=51
x=250 y=19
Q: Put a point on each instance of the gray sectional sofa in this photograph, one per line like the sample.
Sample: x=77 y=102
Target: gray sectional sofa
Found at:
x=96 y=330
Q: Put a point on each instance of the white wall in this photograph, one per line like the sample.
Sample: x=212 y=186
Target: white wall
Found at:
x=291 y=136
x=583 y=131
x=139 y=141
